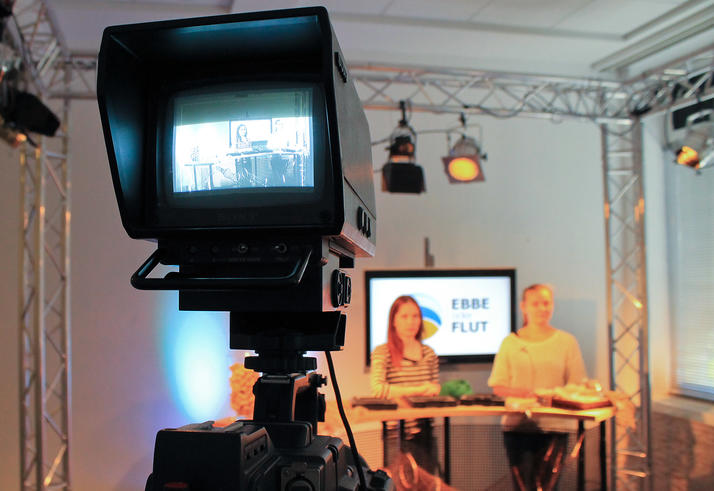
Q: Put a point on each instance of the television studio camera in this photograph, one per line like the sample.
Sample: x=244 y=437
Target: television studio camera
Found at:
x=239 y=144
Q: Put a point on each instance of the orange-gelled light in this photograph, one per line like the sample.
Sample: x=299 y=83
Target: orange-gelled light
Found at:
x=688 y=156
x=20 y=138
x=463 y=169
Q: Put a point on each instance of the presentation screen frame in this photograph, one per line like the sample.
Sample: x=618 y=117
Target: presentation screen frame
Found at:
x=377 y=311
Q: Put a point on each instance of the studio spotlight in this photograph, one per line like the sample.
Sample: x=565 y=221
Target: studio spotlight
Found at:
x=23 y=112
x=6 y=8
x=12 y=137
x=463 y=164
x=697 y=150
x=401 y=174
x=5 y=12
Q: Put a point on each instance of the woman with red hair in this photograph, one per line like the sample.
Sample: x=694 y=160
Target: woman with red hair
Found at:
x=404 y=366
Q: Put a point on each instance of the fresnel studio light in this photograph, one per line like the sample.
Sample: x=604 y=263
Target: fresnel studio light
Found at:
x=401 y=174
x=20 y=111
x=697 y=149
x=8 y=131
x=463 y=163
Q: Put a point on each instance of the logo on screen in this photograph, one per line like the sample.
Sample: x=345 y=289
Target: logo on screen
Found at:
x=430 y=312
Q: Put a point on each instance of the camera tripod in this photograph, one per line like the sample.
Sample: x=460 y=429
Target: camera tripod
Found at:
x=279 y=449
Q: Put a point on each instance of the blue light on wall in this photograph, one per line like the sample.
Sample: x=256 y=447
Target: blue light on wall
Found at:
x=197 y=360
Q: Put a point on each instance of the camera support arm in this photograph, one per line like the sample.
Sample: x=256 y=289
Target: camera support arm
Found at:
x=184 y=281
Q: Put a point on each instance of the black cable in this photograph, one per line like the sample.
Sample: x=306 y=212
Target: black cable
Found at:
x=341 y=409
x=403 y=107
x=445 y=131
x=383 y=140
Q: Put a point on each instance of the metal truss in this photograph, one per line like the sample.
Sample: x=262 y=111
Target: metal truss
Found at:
x=684 y=81
x=505 y=95
x=502 y=95
x=44 y=317
x=627 y=301
x=50 y=68
x=34 y=47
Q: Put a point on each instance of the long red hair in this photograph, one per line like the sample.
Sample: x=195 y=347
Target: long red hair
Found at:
x=394 y=342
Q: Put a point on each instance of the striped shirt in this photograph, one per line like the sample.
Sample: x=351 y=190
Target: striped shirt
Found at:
x=412 y=372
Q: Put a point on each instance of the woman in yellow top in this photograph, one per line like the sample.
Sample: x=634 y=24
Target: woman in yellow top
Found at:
x=538 y=356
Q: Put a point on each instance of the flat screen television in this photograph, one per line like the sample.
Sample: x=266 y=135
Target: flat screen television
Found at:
x=467 y=313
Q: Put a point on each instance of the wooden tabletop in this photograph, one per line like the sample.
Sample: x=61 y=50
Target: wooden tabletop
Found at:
x=361 y=414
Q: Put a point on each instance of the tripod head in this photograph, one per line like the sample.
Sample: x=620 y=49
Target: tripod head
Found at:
x=286 y=392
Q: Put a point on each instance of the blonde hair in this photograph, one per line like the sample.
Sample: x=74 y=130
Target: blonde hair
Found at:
x=532 y=288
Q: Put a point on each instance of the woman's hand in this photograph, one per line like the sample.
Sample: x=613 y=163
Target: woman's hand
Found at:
x=433 y=389
x=427 y=389
x=503 y=391
x=424 y=389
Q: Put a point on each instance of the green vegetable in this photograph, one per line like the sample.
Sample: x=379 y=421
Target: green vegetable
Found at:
x=455 y=388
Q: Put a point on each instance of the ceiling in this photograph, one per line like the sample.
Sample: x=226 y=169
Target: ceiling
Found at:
x=582 y=38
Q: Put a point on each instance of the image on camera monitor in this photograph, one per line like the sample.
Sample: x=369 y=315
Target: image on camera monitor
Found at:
x=230 y=142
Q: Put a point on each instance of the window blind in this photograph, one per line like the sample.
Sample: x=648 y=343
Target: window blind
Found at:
x=690 y=232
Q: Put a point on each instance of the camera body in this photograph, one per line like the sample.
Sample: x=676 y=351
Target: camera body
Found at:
x=172 y=97
x=242 y=456
x=171 y=92
x=239 y=144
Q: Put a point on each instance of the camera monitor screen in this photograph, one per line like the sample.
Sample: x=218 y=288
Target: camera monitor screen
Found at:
x=466 y=313
x=242 y=139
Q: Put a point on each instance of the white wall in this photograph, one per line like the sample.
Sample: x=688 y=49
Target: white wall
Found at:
x=9 y=374
x=656 y=158
x=540 y=211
